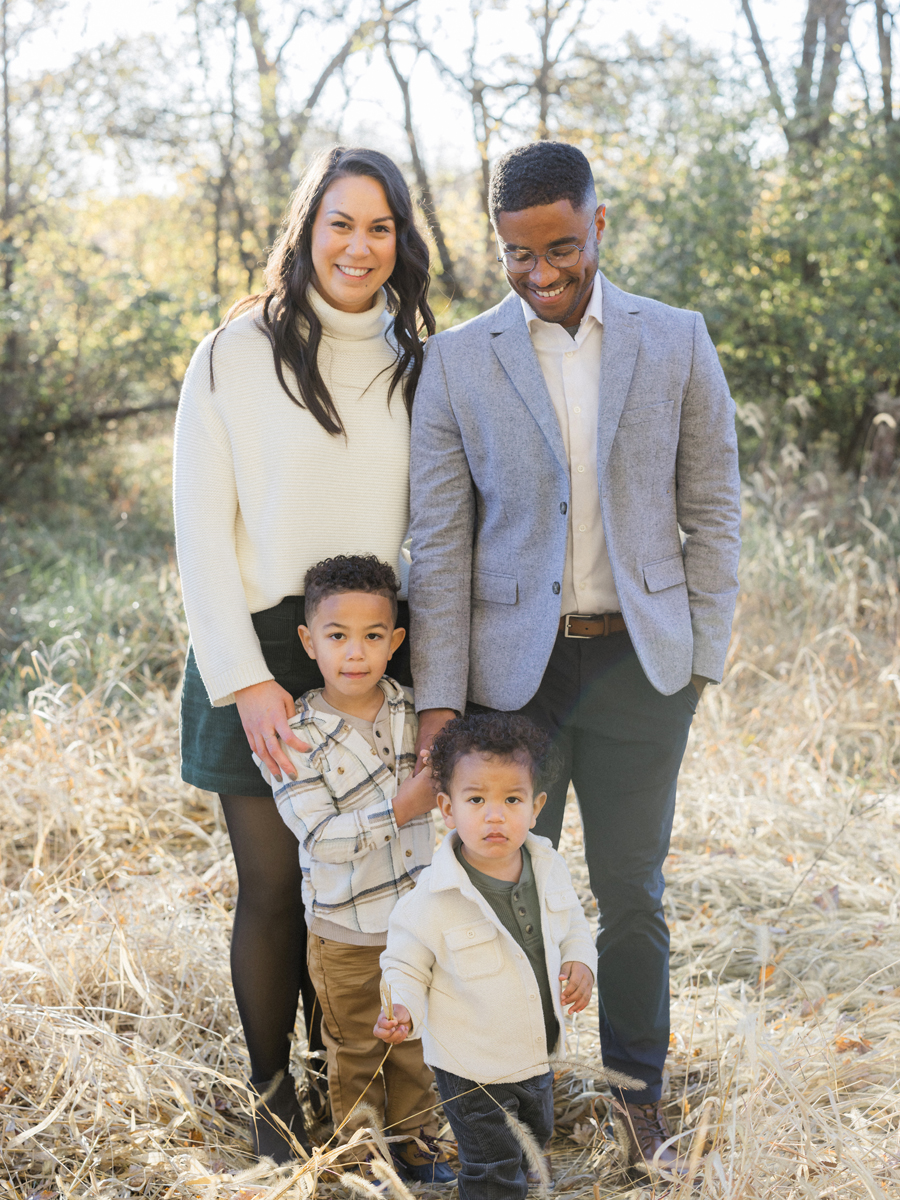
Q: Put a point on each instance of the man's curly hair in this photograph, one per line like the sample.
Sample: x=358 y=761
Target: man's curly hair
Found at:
x=349 y=573
x=540 y=173
x=503 y=735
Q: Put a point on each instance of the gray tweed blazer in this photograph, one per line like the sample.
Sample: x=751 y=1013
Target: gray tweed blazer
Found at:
x=490 y=476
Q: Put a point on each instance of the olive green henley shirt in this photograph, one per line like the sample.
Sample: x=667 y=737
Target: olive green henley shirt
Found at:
x=519 y=911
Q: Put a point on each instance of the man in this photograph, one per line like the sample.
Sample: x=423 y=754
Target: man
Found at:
x=561 y=444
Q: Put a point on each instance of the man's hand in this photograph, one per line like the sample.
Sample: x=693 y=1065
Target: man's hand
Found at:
x=577 y=982
x=415 y=797
x=393 y=1030
x=699 y=682
x=431 y=722
x=265 y=709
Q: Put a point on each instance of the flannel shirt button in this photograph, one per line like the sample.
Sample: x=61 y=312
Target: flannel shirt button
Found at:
x=409 y=854
x=529 y=929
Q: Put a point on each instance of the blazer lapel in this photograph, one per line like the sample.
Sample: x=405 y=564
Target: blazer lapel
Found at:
x=622 y=325
x=512 y=345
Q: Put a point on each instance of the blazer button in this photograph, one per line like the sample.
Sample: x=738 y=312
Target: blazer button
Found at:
x=556 y=589
x=564 y=508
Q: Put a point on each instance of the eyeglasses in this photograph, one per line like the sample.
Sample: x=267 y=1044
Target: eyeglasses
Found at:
x=520 y=262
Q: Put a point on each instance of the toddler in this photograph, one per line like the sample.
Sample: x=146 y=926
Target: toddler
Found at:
x=488 y=949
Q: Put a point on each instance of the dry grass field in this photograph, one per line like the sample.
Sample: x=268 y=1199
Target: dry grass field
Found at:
x=121 y=1057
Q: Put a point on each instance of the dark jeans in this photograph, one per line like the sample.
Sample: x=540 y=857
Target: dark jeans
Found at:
x=621 y=743
x=492 y=1165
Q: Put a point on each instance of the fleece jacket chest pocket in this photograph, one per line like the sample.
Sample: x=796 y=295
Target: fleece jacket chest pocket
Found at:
x=559 y=909
x=474 y=949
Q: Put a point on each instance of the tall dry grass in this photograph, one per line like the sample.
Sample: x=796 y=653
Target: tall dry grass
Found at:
x=121 y=1057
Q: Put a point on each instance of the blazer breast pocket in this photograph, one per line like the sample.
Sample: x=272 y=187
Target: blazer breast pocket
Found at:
x=495 y=589
x=474 y=949
x=649 y=413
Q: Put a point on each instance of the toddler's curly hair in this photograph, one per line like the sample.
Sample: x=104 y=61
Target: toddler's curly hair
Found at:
x=349 y=573
x=504 y=735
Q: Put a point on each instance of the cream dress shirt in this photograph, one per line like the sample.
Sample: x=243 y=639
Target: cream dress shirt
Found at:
x=571 y=369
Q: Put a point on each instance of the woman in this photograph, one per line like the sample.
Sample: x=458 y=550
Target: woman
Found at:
x=291 y=445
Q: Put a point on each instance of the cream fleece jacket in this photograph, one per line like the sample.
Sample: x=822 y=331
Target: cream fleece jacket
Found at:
x=262 y=492
x=469 y=988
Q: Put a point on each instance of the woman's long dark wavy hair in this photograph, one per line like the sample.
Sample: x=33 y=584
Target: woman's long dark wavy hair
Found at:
x=289 y=320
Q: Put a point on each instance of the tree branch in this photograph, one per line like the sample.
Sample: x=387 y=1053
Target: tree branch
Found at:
x=426 y=196
x=84 y=421
x=774 y=94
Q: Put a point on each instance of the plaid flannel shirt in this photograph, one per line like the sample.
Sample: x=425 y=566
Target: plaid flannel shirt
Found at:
x=356 y=862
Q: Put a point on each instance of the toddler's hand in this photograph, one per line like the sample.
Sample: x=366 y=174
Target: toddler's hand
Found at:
x=577 y=982
x=394 y=1030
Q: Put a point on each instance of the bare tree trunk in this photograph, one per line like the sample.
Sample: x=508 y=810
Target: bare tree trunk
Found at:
x=277 y=150
x=884 y=25
x=542 y=79
x=803 y=99
x=426 y=195
x=827 y=25
x=10 y=345
x=837 y=27
x=282 y=134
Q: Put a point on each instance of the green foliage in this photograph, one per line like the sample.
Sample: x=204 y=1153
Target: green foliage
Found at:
x=88 y=580
x=86 y=334
x=791 y=256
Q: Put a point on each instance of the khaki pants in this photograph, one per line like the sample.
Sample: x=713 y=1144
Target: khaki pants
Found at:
x=347 y=981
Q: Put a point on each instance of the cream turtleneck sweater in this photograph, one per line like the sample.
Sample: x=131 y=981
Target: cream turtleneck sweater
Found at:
x=262 y=492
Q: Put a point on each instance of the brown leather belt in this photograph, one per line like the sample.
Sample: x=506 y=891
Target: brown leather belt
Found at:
x=573 y=625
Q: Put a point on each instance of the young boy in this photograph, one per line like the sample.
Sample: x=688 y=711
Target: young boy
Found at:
x=477 y=953
x=365 y=831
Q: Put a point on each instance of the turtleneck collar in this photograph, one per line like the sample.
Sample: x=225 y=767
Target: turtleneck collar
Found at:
x=352 y=327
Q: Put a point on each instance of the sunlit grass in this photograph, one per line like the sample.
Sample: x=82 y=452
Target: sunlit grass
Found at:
x=93 y=576
x=121 y=1057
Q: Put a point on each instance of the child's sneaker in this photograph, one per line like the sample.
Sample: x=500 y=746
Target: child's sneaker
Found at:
x=422 y=1161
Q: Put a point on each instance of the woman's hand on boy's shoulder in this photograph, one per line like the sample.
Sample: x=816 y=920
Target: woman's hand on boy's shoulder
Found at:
x=577 y=984
x=415 y=797
x=394 y=1029
x=265 y=710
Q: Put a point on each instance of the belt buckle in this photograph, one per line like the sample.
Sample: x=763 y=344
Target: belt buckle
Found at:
x=581 y=637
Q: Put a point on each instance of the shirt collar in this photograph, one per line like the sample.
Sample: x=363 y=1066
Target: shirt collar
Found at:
x=594 y=309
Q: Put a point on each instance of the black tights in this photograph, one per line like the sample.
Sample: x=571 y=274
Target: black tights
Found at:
x=268 y=942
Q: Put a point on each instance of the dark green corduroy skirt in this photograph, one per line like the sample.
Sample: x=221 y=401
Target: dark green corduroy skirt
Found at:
x=215 y=754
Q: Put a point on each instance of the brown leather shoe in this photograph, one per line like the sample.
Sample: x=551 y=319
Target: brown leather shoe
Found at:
x=643 y=1129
